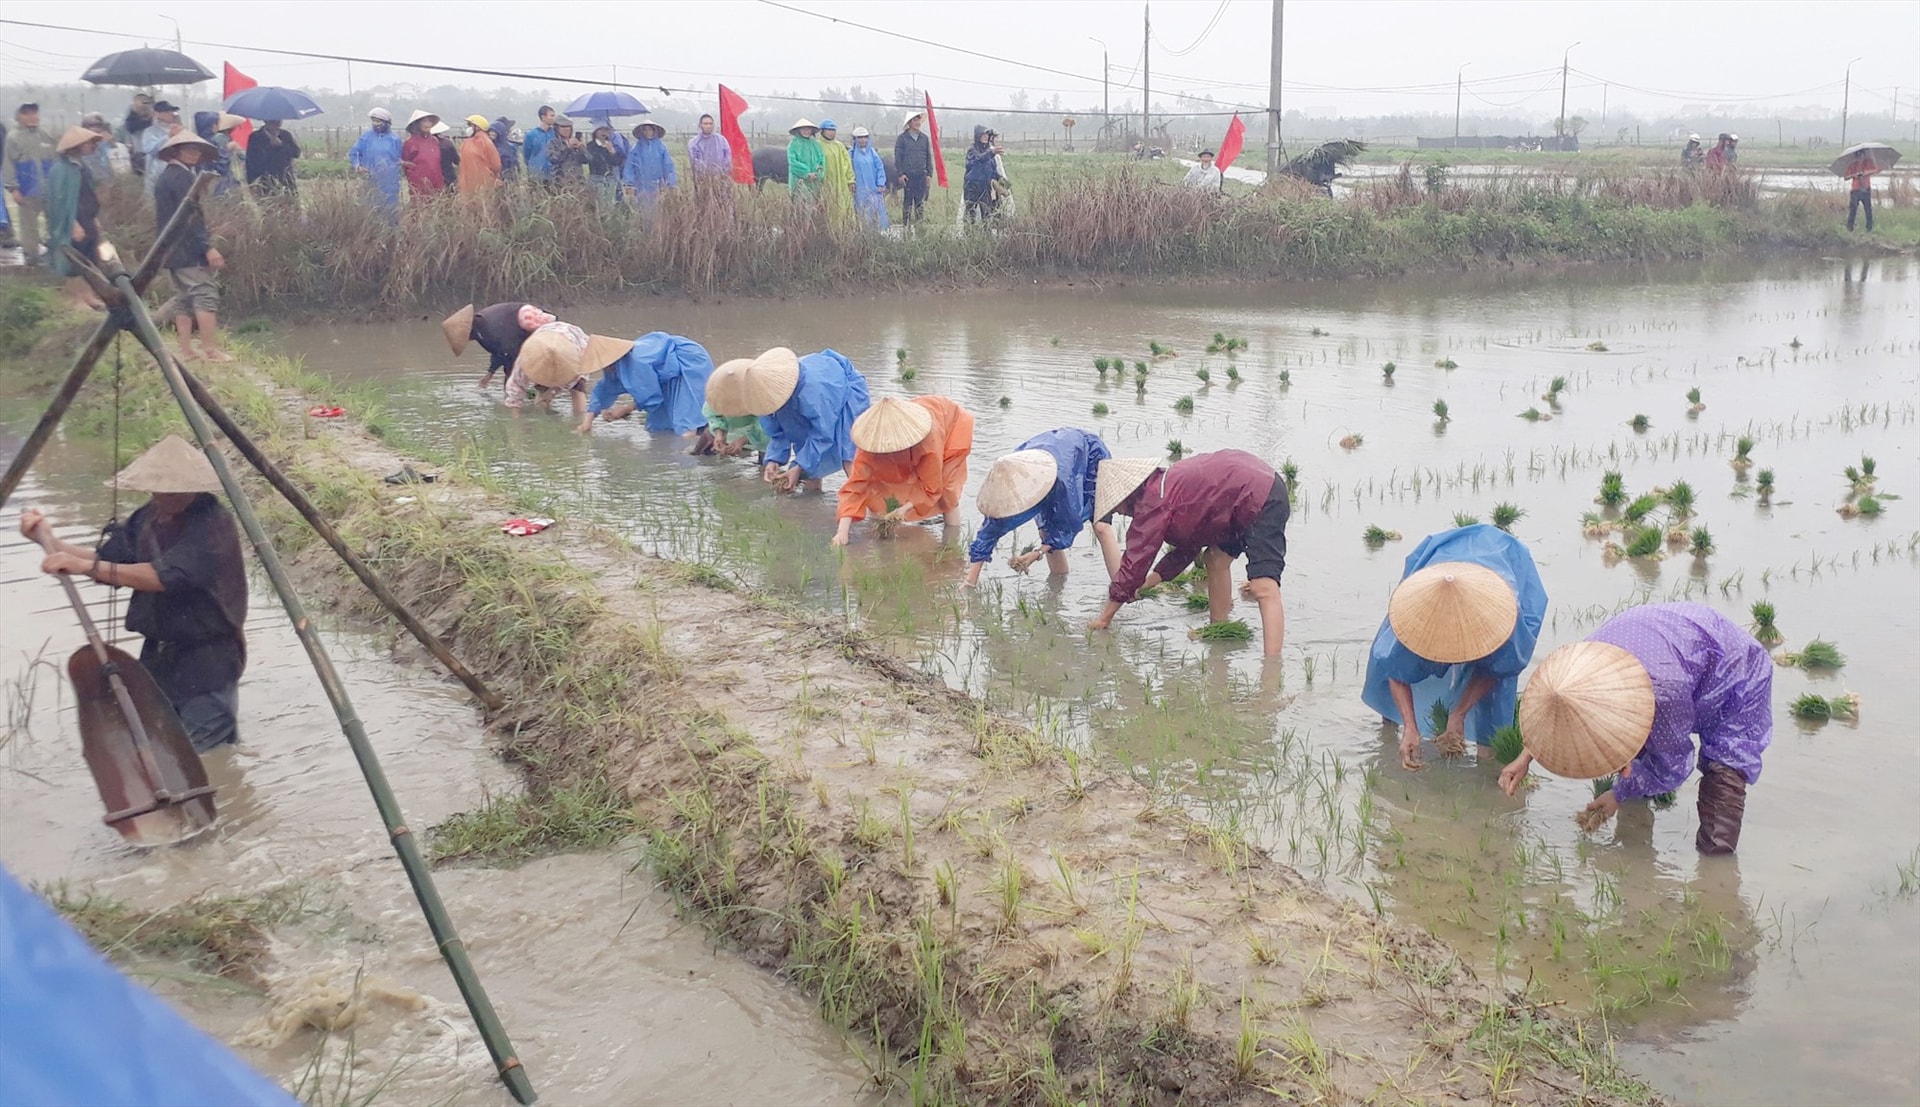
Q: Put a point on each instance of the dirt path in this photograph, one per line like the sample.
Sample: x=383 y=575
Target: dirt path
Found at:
x=1013 y=923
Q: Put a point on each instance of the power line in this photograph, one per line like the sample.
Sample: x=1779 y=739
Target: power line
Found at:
x=1002 y=59
x=1204 y=34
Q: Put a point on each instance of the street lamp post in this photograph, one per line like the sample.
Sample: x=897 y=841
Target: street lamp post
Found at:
x=1106 y=93
x=178 y=45
x=1459 y=83
x=1560 y=125
x=1846 y=98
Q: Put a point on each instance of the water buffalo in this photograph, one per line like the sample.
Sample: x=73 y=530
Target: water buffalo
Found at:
x=770 y=164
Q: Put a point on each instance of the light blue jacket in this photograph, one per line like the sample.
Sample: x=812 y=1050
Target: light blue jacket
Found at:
x=379 y=154
x=666 y=375
x=814 y=428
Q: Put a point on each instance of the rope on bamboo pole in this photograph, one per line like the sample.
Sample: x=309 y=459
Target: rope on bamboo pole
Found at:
x=419 y=875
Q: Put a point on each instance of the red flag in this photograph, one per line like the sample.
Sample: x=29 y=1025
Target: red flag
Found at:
x=933 y=140
x=732 y=104
x=1230 y=145
x=237 y=81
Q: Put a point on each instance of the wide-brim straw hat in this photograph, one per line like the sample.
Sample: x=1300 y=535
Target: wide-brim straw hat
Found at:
x=727 y=388
x=228 y=121
x=75 y=137
x=1016 y=482
x=550 y=359
x=1587 y=710
x=1118 y=478
x=172 y=147
x=172 y=465
x=603 y=351
x=439 y=128
x=418 y=115
x=654 y=123
x=769 y=380
x=891 y=425
x=803 y=121
x=1453 y=612
x=458 y=328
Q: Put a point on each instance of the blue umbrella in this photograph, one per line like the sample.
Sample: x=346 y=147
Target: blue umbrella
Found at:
x=269 y=102
x=606 y=104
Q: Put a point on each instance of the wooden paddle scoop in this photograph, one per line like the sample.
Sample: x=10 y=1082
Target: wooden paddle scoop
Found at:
x=148 y=773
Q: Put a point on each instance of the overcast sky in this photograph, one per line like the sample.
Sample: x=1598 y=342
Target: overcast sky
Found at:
x=1353 y=57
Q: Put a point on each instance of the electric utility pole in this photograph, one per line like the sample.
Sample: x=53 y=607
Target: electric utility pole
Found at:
x=1276 y=55
x=1106 y=94
x=1146 y=80
x=1560 y=124
x=1459 y=84
x=1846 y=99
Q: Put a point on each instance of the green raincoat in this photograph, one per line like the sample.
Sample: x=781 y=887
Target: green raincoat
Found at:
x=65 y=180
x=839 y=179
x=806 y=164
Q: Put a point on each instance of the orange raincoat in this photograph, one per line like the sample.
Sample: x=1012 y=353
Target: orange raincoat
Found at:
x=479 y=165
x=927 y=479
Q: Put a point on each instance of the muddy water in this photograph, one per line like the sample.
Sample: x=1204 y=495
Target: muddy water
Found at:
x=608 y=995
x=1784 y=975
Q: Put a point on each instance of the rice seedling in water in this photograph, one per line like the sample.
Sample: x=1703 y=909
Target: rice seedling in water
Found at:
x=1231 y=630
x=1290 y=471
x=1386 y=371
x=1440 y=410
x=1868 y=505
x=908 y=374
x=1446 y=363
x=1814 y=708
x=1175 y=449
x=1597 y=346
x=1640 y=508
x=1352 y=441
x=1700 y=542
x=1318 y=333
x=1160 y=351
x=1640 y=423
x=1680 y=499
x=1197 y=601
x=1795 y=344
x=1218 y=344
x=1099 y=409
x=1507 y=743
x=1817 y=654
x=1233 y=372
x=1594 y=525
x=1054 y=341
x=1140 y=368
x=1006 y=401
x=1140 y=386
x=1554 y=388
x=1534 y=415
x=1693 y=400
x=1184 y=405
x=1867 y=466
x=1763 y=480
x=1742 y=452
x=1506 y=514
x=900 y=355
x=1286 y=377
x=1644 y=542
x=1465 y=519
x=1203 y=374
x=1613 y=489
x=1100 y=363
x=1764 y=631
x=1376 y=536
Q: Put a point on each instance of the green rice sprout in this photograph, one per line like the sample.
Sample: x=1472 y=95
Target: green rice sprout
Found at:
x=1557 y=386
x=1286 y=377
x=1597 y=346
x=1290 y=471
x=908 y=374
x=1764 y=631
x=1230 y=630
x=1700 y=542
x=1376 y=536
x=1099 y=409
x=1506 y=514
x=1532 y=415
x=1602 y=785
x=1100 y=363
x=1640 y=423
x=1818 y=654
x=1507 y=743
x=1814 y=708
x=1440 y=410
x=1693 y=395
x=1140 y=367
x=1437 y=717
x=1218 y=344
x=1640 y=508
x=1197 y=601
x=1867 y=466
x=1184 y=405
x=1006 y=401
x=1140 y=386
x=1465 y=519
x=1175 y=449
x=1795 y=344
x=1387 y=370
x=1664 y=801
x=1763 y=480
x=1233 y=373
x=1446 y=363
x=1743 y=451
x=900 y=354
x=1158 y=350
x=1203 y=374
x=1613 y=489
x=1680 y=498
x=1645 y=542
x=1868 y=505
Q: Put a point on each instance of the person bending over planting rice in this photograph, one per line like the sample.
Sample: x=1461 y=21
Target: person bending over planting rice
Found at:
x=1223 y=504
x=1050 y=479
x=1459 y=631
x=555 y=358
x=730 y=435
x=1631 y=697
x=909 y=463
x=661 y=374
x=500 y=329
x=807 y=406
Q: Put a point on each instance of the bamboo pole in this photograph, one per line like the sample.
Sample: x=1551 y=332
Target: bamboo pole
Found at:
x=510 y=1070
x=324 y=529
x=113 y=324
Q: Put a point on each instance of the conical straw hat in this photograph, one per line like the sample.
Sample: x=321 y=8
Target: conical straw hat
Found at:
x=417 y=116
x=551 y=356
x=1587 y=710
x=727 y=388
x=458 y=328
x=171 y=148
x=603 y=351
x=1119 y=476
x=1453 y=612
x=172 y=465
x=770 y=380
x=1017 y=482
x=74 y=137
x=891 y=424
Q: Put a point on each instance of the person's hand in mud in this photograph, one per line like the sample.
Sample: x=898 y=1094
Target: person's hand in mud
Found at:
x=731 y=447
x=790 y=480
x=1020 y=563
x=771 y=474
x=843 y=533
x=1515 y=772
x=1603 y=807
x=1452 y=742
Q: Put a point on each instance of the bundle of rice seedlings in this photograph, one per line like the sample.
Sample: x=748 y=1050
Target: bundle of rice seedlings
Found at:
x=1196 y=601
x=1006 y=401
x=1640 y=508
x=1819 y=654
x=1286 y=377
x=1693 y=401
x=1644 y=542
x=1440 y=410
x=1868 y=505
x=1446 y=363
x=1597 y=346
x=1506 y=514
x=1375 y=536
x=1352 y=441
x=1099 y=409
x=1465 y=519
x=1613 y=489
x=1233 y=372
x=1534 y=415
x=1203 y=374
x=1594 y=526
x=1763 y=480
x=1764 y=631
x=1290 y=471
x=1554 y=388
x=1184 y=405
x=1680 y=500
x=1814 y=708
x=1386 y=371
x=1101 y=364
x=884 y=527
x=1507 y=743
x=1230 y=630
x=1174 y=449
x=1700 y=542
x=1640 y=423
x=1742 y=452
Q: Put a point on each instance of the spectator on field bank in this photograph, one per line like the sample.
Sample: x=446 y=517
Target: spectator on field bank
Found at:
x=913 y=161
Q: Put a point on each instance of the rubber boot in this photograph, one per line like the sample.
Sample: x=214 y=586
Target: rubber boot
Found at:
x=1723 y=806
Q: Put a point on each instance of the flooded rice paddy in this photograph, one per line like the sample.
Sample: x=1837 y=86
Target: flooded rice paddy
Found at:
x=1785 y=974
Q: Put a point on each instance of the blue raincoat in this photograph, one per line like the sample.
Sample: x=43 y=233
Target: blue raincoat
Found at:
x=1068 y=506
x=379 y=154
x=649 y=169
x=1433 y=682
x=869 y=184
x=666 y=375
x=814 y=428
x=533 y=147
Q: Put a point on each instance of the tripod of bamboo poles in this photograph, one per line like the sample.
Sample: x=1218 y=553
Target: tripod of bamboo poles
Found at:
x=123 y=290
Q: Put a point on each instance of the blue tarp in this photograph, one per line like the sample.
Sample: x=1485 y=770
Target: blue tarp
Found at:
x=75 y=1031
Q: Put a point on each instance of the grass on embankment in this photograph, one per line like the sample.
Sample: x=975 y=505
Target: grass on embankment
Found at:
x=221 y=935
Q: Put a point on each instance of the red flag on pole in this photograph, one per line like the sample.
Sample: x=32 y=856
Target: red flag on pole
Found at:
x=933 y=140
x=237 y=81
x=732 y=104
x=1230 y=146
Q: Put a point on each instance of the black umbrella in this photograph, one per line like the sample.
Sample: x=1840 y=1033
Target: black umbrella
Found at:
x=146 y=67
